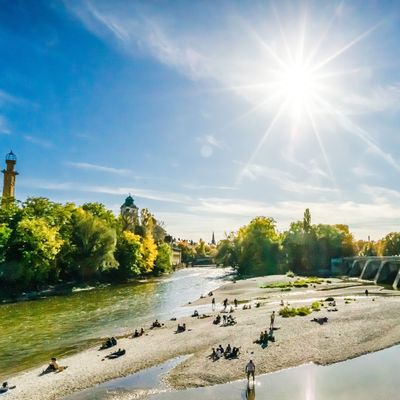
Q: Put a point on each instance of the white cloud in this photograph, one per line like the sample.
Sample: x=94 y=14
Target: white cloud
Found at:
x=4 y=126
x=38 y=141
x=95 y=167
x=157 y=195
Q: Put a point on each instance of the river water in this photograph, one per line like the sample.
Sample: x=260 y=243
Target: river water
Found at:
x=33 y=331
x=369 y=377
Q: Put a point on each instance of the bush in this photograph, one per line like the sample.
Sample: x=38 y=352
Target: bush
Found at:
x=329 y=299
x=286 y=312
x=290 y=274
x=316 y=306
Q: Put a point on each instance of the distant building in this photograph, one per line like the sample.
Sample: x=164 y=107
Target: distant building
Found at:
x=129 y=214
x=213 y=239
x=9 y=177
x=176 y=257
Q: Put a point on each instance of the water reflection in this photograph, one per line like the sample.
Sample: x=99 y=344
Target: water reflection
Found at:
x=370 y=377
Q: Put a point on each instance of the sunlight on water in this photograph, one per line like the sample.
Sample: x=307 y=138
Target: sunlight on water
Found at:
x=37 y=330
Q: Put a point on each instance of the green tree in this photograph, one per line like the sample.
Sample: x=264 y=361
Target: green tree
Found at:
x=129 y=254
x=38 y=245
x=391 y=244
x=94 y=245
x=228 y=251
x=259 y=247
x=188 y=252
x=5 y=234
x=163 y=260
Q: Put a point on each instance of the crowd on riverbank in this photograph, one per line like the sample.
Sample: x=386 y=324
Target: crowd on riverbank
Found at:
x=356 y=328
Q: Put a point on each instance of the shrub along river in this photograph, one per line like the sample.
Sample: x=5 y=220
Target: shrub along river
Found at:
x=33 y=331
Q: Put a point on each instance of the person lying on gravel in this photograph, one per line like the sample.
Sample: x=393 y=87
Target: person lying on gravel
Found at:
x=320 y=320
x=116 y=354
x=4 y=387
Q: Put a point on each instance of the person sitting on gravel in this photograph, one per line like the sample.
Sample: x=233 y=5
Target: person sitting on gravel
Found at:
x=181 y=328
x=156 y=324
x=232 y=354
x=110 y=342
x=227 y=350
x=141 y=331
x=221 y=349
x=4 y=387
x=53 y=367
x=217 y=320
x=116 y=354
x=136 y=333
x=195 y=313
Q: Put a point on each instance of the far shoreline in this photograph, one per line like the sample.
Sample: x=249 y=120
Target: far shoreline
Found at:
x=354 y=330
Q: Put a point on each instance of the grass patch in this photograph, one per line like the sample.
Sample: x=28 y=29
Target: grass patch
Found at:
x=276 y=285
x=316 y=306
x=298 y=283
x=287 y=312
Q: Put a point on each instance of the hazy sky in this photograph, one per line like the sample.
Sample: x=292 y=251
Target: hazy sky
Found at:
x=207 y=112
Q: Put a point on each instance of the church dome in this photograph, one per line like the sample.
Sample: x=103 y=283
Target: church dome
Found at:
x=129 y=202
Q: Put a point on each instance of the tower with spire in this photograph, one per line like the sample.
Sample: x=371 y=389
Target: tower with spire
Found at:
x=9 y=178
x=213 y=239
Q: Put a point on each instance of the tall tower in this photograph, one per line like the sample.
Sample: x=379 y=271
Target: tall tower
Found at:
x=9 y=177
x=213 y=239
x=129 y=214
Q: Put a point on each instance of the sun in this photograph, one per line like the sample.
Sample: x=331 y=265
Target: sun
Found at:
x=298 y=85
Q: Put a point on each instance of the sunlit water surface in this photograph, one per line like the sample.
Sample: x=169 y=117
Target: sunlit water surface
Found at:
x=370 y=377
x=33 y=331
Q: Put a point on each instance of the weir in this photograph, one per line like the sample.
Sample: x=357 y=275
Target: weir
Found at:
x=375 y=268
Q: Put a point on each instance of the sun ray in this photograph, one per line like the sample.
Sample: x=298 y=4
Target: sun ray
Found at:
x=287 y=48
x=315 y=50
x=321 y=145
x=361 y=133
x=345 y=48
x=263 y=139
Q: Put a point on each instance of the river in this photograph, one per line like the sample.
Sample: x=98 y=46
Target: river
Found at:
x=370 y=377
x=33 y=331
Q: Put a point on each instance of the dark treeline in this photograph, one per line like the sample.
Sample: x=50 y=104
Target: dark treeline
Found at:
x=259 y=249
x=43 y=242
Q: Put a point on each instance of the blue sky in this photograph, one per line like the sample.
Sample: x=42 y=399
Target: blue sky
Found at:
x=208 y=113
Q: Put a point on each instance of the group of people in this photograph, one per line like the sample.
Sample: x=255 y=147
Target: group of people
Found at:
x=265 y=336
x=228 y=353
x=227 y=320
x=137 y=333
x=109 y=342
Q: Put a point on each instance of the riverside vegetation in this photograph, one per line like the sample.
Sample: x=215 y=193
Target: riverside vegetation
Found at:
x=44 y=243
